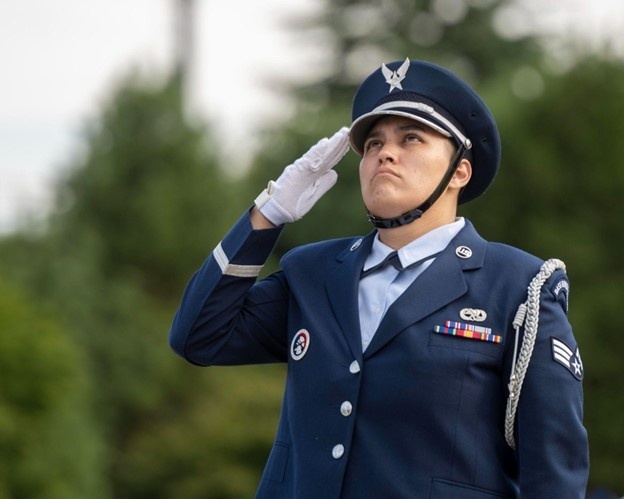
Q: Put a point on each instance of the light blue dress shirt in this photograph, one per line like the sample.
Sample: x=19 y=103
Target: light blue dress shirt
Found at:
x=379 y=290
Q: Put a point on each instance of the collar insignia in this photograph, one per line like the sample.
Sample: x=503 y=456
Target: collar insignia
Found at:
x=356 y=245
x=463 y=252
x=394 y=78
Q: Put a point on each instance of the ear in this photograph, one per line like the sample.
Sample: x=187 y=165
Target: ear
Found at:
x=462 y=175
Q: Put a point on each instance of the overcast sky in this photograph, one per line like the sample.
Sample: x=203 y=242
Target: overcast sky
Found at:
x=60 y=58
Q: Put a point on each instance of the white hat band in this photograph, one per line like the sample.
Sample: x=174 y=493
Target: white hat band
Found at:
x=424 y=108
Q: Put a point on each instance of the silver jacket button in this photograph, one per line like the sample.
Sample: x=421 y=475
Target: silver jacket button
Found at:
x=354 y=368
x=346 y=408
x=338 y=451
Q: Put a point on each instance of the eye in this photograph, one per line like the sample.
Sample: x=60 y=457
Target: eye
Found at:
x=412 y=137
x=372 y=144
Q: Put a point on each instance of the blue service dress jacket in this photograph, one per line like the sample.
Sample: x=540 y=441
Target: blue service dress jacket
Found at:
x=418 y=414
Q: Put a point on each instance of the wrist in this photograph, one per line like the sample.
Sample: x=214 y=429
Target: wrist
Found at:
x=267 y=204
x=259 y=221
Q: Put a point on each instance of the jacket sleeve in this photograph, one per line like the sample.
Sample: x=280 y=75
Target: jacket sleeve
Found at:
x=225 y=316
x=551 y=441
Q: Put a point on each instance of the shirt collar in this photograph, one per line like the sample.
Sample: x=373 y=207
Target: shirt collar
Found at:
x=430 y=243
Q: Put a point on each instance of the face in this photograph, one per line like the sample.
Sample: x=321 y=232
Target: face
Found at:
x=402 y=164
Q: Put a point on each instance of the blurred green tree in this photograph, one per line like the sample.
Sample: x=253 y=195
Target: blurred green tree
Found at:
x=49 y=445
x=148 y=174
x=139 y=210
x=146 y=201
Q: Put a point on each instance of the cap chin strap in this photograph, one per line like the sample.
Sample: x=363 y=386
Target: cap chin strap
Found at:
x=416 y=213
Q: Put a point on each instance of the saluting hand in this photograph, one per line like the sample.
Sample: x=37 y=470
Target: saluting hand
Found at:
x=304 y=182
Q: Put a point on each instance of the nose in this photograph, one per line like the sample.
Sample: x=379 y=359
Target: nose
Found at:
x=387 y=154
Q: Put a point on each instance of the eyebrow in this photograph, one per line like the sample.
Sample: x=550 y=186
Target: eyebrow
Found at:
x=403 y=128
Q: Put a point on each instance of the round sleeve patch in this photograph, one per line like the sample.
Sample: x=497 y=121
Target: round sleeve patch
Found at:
x=300 y=344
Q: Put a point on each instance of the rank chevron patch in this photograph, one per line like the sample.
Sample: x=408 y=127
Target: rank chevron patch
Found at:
x=563 y=354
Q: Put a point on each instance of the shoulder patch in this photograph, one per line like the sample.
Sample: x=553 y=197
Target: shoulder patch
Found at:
x=561 y=291
x=568 y=358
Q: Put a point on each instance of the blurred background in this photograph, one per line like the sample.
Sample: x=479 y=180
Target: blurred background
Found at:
x=133 y=134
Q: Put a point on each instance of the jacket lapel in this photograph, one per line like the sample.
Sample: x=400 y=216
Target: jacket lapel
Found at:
x=342 y=288
x=439 y=285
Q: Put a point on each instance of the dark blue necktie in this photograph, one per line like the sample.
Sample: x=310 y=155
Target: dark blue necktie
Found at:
x=393 y=259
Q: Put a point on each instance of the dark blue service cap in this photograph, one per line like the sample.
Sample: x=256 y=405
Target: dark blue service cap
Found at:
x=432 y=95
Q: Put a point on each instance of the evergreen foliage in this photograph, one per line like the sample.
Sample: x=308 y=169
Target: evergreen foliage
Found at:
x=92 y=401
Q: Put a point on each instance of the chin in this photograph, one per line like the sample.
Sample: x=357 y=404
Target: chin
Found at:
x=385 y=211
x=387 y=201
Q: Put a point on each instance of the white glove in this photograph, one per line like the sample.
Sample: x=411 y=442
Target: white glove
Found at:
x=304 y=182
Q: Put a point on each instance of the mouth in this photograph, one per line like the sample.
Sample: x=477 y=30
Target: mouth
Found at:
x=384 y=171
